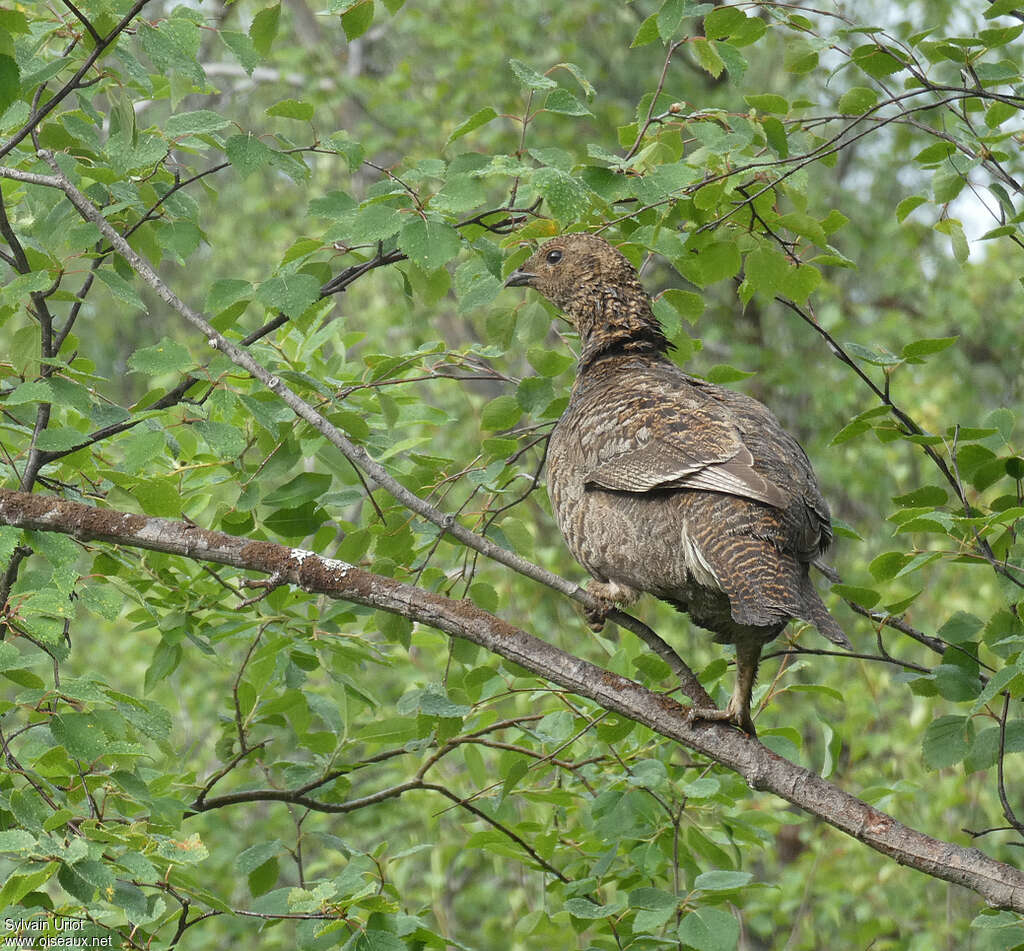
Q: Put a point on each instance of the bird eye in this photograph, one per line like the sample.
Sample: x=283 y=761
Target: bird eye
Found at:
x=553 y=256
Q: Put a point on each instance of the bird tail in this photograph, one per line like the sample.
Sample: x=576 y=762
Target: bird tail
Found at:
x=819 y=616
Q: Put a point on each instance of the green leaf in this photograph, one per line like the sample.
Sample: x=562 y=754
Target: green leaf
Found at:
x=254 y=856
x=877 y=61
x=723 y=373
x=305 y=487
x=768 y=102
x=906 y=206
x=647 y=33
x=103 y=600
x=242 y=48
x=167 y=356
x=927 y=346
x=225 y=440
x=202 y=121
x=431 y=244
x=947 y=741
x=263 y=29
x=586 y=909
x=120 y=288
x=529 y=77
x=775 y=134
x=931 y=495
x=866 y=597
x=707 y=56
x=292 y=109
x=225 y=292
x=80 y=734
x=371 y=223
x=887 y=565
x=356 y=20
x=289 y=293
x=16 y=840
x=766 y=270
x=18 y=886
x=857 y=100
x=564 y=102
x=37 y=391
x=548 y=362
x=567 y=197
x=59 y=440
x=961 y=627
x=709 y=929
x=479 y=118
x=721 y=880
x=502 y=412
x=957 y=238
x=247 y=153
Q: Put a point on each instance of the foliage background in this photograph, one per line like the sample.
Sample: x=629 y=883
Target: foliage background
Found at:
x=338 y=136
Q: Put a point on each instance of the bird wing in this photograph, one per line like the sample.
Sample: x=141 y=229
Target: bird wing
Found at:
x=695 y=450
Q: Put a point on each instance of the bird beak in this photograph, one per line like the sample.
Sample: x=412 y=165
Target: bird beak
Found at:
x=520 y=278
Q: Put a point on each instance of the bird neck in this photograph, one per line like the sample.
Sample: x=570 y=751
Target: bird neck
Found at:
x=614 y=320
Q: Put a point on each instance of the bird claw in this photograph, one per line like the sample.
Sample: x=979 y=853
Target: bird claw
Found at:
x=734 y=718
x=596 y=617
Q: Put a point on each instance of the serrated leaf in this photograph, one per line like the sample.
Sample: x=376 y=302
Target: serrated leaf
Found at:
x=529 y=77
x=226 y=441
x=305 y=487
x=36 y=391
x=479 y=118
x=564 y=102
x=289 y=293
x=857 y=100
x=16 y=840
x=927 y=346
x=866 y=597
x=247 y=153
x=709 y=929
x=946 y=742
x=567 y=197
x=960 y=627
x=103 y=600
x=502 y=412
x=264 y=27
x=201 y=121
x=357 y=19
x=768 y=102
x=723 y=373
x=720 y=880
x=80 y=734
x=292 y=109
x=242 y=48
x=225 y=292
x=120 y=288
x=167 y=356
x=906 y=206
x=431 y=244
x=707 y=56
x=372 y=223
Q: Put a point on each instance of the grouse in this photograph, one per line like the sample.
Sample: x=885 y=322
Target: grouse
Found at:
x=667 y=484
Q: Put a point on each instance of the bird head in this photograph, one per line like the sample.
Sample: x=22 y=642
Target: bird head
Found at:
x=599 y=292
x=572 y=269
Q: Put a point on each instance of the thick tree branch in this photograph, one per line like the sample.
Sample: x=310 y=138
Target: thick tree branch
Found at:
x=999 y=884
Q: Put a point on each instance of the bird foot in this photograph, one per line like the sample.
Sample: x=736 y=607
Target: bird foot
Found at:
x=608 y=594
x=740 y=719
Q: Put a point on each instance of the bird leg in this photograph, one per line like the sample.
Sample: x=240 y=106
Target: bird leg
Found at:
x=608 y=594
x=737 y=711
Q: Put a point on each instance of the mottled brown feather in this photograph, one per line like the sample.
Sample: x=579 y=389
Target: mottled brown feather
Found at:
x=667 y=484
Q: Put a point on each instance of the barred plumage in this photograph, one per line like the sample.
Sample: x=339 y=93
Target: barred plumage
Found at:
x=666 y=484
